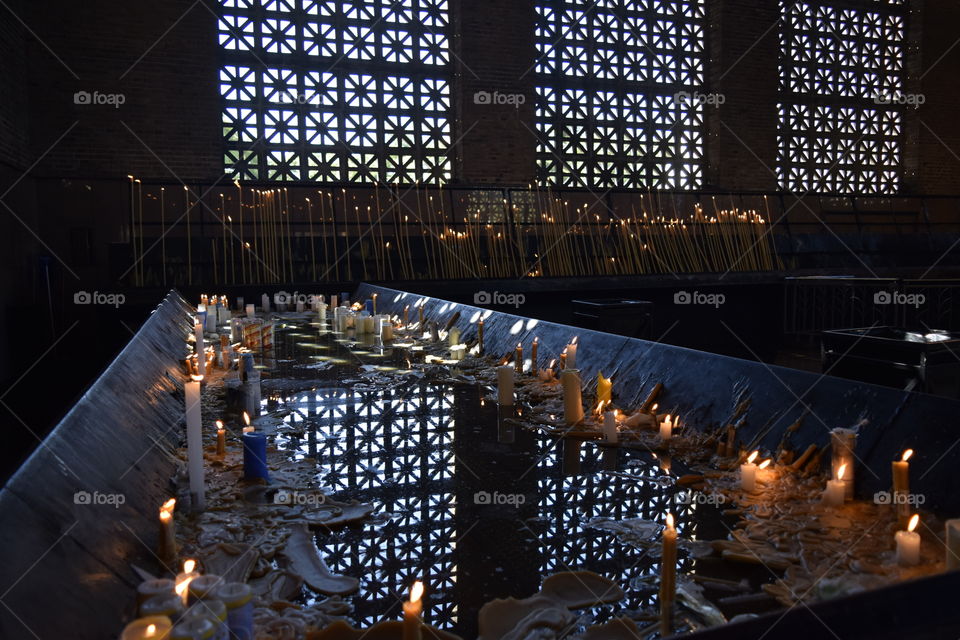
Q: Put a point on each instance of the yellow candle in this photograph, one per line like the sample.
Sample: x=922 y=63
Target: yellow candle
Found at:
x=901 y=487
x=518 y=358
x=168 y=535
x=668 y=576
x=604 y=389
x=480 y=334
x=182 y=584
x=149 y=628
x=412 y=609
x=533 y=356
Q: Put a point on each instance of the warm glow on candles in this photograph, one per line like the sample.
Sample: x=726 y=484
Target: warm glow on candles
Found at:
x=765 y=463
x=906 y=455
x=752 y=457
x=151 y=630
x=416 y=591
x=669 y=521
x=841 y=471
x=914 y=520
x=196 y=377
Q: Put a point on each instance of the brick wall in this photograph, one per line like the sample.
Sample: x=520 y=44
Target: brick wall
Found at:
x=495 y=52
x=162 y=58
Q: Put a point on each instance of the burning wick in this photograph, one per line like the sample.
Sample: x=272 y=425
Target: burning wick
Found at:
x=246 y=421
x=411 y=613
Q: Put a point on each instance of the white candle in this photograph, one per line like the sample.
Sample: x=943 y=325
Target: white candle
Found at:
x=572 y=401
x=748 y=473
x=572 y=354
x=953 y=544
x=251 y=311
x=195 y=443
x=835 y=492
x=453 y=337
x=505 y=385
x=666 y=429
x=265 y=302
x=200 y=351
x=610 y=426
x=908 y=544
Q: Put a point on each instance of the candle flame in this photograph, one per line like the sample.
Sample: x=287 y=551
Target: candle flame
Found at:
x=552 y=362
x=168 y=505
x=914 y=520
x=189 y=566
x=416 y=591
x=669 y=521
x=151 y=630
x=653 y=409
x=906 y=455
x=246 y=418
x=752 y=457
x=765 y=463
x=574 y=341
x=219 y=424
x=841 y=471
x=196 y=377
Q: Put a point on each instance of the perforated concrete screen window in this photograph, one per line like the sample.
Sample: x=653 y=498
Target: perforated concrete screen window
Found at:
x=843 y=98
x=620 y=97
x=335 y=91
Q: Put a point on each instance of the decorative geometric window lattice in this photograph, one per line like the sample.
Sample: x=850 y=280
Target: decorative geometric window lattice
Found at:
x=395 y=450
x=619 y=101
x=841 y=82
x=335 y=91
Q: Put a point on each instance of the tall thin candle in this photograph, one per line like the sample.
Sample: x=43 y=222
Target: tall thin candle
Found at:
x=195 y=443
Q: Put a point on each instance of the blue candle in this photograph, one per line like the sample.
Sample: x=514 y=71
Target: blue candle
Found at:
x=368 y=305
x=255 y=456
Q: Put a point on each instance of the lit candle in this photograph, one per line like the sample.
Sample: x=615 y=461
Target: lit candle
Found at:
x=908 y=544
x=150 y=627
x=843 y=442
x=547 y=374
x=533 y=356
x=374 y=304
x=572 y=401
x=406 y=316
x=604 y=389
x=184 y=578
x=901 y=487
x=518 y=358
x=666 y=429
x=168 y=536
x=610 y=426
x=748 y=473
x=572 y=354
x=834 y=495
x=953 y=544
x=505 y=385
x=194 y=443
x=668 y=576
x=480 y=334
x=198 y=348
x=412 y=609
x=563 y=359
x=221 y=439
